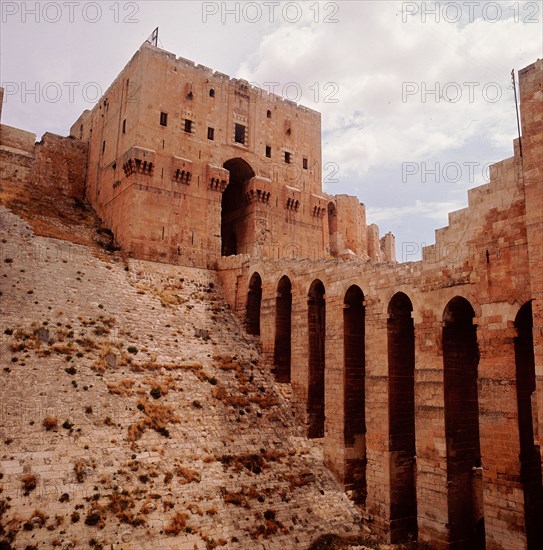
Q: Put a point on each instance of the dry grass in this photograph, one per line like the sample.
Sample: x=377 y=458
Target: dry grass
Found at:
x=122 y=388
x=254 y=463
x=95 y=516
x=38 y=518
x=160 y=388
x=244 y=399
x=63 y=349
x=153 y=366
x=121 y=505
x=299 y=479
x=169 y=298
x=187 y=475
x=29 y=482
x=50 y=422
x=81 y=467
x=195 y=508
x=177 y=524
x=245 y=495
x=269 y=526
x=109 y=353
x=229 y=363
x=157 y=417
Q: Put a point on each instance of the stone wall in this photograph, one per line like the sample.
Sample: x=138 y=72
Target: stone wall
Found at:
x=474 y=359
x=61 y=165
x=56 y=164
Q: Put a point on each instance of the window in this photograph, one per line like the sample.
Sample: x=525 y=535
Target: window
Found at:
x=124 y=126
x=240 y=134
x=211 y=133
x=304 y=163
x=103 y=146
x=188 y=126
x=164 y=119
x=268 y=151
x=268 y=114
x=212 y=93
x=287 y=157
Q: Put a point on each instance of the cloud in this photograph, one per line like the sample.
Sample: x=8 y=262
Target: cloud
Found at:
x=460 y=74
x=434 y=211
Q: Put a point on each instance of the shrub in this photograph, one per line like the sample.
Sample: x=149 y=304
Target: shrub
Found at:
x=94 y=517
x=187 y=475
x=177 y=524
x=156 y=393
x=50 y=423
x=29 y=482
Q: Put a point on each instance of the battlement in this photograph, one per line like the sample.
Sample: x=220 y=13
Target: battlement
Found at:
x=255 y=91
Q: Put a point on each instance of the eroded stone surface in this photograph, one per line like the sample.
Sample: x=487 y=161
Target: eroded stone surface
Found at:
x=94 y=310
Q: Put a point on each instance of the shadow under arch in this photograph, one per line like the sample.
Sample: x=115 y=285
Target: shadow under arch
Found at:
x=283 y=336
x=254 y=301
x=464 y=471
x=530 y=458
x=354 y=391
x=316 y=328
x=235 y=222
x=401 y=418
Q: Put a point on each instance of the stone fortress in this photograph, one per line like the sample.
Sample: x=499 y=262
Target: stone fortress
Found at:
x=228 y=169
x=423 y=379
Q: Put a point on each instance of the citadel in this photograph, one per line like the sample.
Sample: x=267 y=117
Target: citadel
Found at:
x=423 y=380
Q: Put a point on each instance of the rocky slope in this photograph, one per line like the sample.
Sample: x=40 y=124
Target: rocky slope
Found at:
x=135 y=412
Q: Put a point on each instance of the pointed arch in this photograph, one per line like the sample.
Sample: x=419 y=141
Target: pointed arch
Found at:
x=254 y=300
x=316 y=322
x=530 y=458
x=401 y=418
x=464 y=472
x=283 y=337
x=235 y=228
x=354 y=392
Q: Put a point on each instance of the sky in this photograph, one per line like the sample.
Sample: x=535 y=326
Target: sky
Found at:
x=416 y=97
